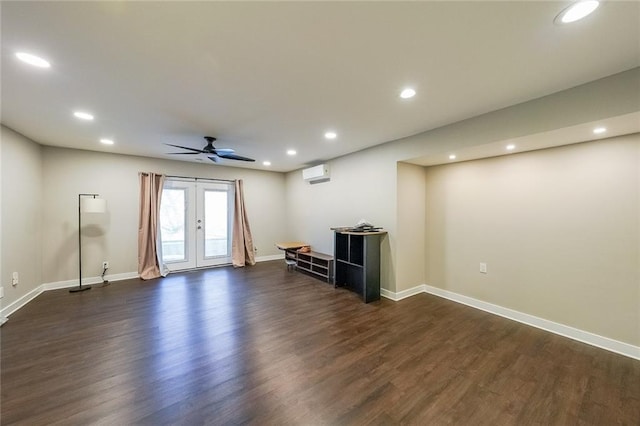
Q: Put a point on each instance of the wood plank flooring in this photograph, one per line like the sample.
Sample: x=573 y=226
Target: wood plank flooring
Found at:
x=264 y=346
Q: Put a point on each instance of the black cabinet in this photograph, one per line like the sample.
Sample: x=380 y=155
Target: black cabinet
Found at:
x=357 y=262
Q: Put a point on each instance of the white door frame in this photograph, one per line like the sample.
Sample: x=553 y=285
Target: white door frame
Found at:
x=195 y=224
x=202 y=189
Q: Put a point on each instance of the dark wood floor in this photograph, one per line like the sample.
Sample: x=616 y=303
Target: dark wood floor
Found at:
x=261 y=345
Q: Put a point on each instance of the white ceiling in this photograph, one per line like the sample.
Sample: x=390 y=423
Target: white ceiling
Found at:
x=264 y=77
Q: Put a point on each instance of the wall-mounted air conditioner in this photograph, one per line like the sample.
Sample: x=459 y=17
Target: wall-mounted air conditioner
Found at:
x=316 y=173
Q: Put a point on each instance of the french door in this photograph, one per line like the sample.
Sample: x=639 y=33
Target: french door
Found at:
x=195 y=223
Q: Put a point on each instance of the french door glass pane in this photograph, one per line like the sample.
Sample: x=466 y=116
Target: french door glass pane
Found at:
x=215 y=224
x=195 y=219
x=173 y=225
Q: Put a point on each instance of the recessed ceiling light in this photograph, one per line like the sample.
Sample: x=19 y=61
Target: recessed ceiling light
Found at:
x=83 y=115
x=331 y=135
x=599 y=130
x=407 y=93
x=266 y=163
x=106 y=141
x=291 y=152
x=511 y=147
x=452 y=157
x=576 y=11
x=34 y=60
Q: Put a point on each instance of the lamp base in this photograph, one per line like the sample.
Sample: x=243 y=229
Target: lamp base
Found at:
x=81 y=288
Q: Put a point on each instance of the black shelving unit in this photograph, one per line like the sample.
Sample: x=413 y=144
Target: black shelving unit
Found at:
x=357 y=262
x=319 y=264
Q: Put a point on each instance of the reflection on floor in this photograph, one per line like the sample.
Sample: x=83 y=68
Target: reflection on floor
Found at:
x=263 y=346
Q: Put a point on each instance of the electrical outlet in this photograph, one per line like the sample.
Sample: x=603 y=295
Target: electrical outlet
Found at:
x=15 y=279
x=483 y=268
x=1 y=292
x=105 y=265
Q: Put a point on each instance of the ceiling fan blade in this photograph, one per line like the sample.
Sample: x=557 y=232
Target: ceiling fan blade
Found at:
x=224 y=151
x=199 y=151
x=235 y=157
x=218 y=153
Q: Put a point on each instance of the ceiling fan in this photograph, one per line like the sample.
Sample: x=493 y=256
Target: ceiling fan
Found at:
x=216 y=153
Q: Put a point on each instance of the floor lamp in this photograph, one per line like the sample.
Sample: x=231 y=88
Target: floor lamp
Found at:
x=86 y=205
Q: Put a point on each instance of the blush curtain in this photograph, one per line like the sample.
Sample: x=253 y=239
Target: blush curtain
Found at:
x=150 y=264
x=242 y=250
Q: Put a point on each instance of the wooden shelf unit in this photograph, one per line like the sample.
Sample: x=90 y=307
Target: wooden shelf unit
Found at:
x=319 y=264
x=357 y=262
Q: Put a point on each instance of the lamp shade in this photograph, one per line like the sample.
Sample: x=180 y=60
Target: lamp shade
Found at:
x=93 y=205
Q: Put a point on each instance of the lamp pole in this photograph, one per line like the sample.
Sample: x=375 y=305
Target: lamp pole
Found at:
x=80 y=287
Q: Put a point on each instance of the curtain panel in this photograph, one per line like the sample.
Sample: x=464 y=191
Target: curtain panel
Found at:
x=242 y=249
x=150 y=264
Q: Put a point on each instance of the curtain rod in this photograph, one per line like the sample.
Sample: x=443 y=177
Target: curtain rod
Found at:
x=194 y=178
x=197 y=178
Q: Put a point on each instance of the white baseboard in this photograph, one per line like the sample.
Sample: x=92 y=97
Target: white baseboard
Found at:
x=388 y=294
x=402 y=294
x=20 y=302
x=88 y=281
x=602 y=342
x=13 y=307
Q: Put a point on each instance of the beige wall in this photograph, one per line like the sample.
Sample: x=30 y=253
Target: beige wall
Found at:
x=368 y=184
x=40 y=187
x=410 y=255
x=113 y=237
x=2 y=277
x=559 y=229
x=364 y=184
x=22 y=209
x=357 y=190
